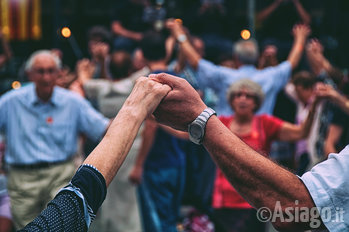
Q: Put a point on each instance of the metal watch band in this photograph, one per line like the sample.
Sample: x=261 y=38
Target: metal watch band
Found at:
x=200 y=121
x=182 y=38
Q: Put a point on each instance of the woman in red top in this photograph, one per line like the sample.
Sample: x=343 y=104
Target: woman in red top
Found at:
x=232 y=212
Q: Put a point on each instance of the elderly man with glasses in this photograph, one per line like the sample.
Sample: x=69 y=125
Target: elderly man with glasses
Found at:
x=41 y=123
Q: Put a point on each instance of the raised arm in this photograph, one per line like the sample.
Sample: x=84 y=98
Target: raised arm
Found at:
x=300 y=33
x=266 y=12
x=303 y=14
x=108 y=156
x=244 y=167
x=75 y=206
x=118 y=29
x=188 y=50
x=328 y=92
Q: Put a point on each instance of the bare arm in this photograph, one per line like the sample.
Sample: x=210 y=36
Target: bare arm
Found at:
x=118 y=29
x=148 y=136
x=327 y=91
x=333 y=135
x=300 y=33
x=303 y=14
x=110 y=153
x=176 y=133
x=244 y=167
x=188 y=50
x=246 y=171
x=292 y=132
x=316 y=58
x=266 y=12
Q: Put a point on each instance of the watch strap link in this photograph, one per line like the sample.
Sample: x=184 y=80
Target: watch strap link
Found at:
x=201 y=121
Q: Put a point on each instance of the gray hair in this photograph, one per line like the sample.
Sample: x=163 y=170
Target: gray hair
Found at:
x=31 y=59
x=250 y=86
x=246 y=51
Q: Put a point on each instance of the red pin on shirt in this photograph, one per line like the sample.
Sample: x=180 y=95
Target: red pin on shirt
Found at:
x=49 y=120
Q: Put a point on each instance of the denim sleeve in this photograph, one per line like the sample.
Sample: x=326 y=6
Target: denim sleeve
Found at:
x=328 y=185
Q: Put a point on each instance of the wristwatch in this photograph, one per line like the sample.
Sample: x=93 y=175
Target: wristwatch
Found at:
x=182 y=38
x=196 y=129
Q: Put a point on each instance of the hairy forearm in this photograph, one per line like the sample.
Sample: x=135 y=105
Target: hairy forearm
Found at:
x=108 y=156
x=259 y=181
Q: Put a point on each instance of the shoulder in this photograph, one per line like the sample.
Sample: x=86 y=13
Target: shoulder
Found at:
x=17 y=94
x=65 y=96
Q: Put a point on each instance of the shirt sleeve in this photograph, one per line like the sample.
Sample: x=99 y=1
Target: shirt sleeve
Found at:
x=91 y=122
x=328 y=185
x=213 y=76
x=280 y=74
x=75 y=206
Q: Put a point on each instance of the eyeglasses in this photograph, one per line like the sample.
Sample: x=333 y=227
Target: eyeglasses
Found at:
x=247 y=95
x=42 y=71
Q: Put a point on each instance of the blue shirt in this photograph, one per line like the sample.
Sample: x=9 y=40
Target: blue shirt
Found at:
x=46 y=132
x=328 y=185
x=167 y=151
x=219 y=78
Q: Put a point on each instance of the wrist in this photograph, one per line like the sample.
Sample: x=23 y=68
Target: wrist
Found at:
x=210 y=128
x=181 y=38
x=197 y=128
x=133 y=112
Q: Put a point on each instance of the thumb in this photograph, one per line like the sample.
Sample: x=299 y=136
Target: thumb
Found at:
x=164 y=78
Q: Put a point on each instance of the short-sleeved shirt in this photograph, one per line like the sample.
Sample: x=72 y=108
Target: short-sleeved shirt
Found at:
x=271 y=79
x=265 y=129
x=328 y=185
x=46 y=132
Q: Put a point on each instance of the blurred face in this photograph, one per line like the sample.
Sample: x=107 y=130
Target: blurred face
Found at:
x=304 y=94
x=44 y=73
x=243 y=102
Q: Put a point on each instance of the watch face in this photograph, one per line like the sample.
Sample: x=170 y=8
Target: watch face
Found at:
x=196 y=131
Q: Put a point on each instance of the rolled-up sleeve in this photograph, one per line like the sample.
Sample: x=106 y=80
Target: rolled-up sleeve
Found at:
x=328 y=185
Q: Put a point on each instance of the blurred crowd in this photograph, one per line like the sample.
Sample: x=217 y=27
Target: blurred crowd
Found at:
x=278 y=91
